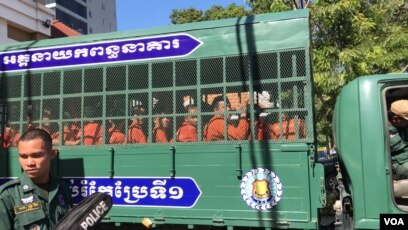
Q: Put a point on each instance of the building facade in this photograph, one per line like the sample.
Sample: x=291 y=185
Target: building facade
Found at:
x=24 y=20
x=86 y=16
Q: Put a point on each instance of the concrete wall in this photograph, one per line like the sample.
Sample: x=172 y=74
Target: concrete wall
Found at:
x=22 y=20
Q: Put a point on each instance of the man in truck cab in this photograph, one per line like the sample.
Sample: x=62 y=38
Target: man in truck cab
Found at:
x=398 y=129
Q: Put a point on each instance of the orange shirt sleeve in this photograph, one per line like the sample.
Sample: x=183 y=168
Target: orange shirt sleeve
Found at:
x=136 y=135
x=160 y=136
x=214 y=130
x=92 y=131
x=117 y=138
x=187 y=133
x=240 y=132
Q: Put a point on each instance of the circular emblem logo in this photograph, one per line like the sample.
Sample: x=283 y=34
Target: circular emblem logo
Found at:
x=261 y=189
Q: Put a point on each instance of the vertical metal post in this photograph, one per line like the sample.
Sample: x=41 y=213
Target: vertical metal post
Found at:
x=112 y=163
x=238 y=156
x=172 y=161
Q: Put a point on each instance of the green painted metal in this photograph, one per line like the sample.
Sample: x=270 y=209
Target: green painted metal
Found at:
x=245 y=55
x=361 y=133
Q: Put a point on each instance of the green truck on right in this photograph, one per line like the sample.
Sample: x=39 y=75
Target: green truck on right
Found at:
x=370 y=183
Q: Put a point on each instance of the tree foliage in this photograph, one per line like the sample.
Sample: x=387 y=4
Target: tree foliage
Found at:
x=180 y=16
x=350 y=38
x=186 y=15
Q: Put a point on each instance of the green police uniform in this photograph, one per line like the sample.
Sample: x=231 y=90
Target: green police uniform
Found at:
x=24 y=205
x=399 y=152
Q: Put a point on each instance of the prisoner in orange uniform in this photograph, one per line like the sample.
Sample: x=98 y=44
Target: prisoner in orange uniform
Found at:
x=161 y=124
x=214 y=129
x=135 y=130
x=188 y=130
x=11 y=137
x=290 y=129
x=92 y=130
x=115 y=134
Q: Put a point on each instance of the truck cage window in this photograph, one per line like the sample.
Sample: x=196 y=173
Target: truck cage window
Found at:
x=270 y=89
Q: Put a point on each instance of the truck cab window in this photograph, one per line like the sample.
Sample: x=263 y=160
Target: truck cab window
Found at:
x=397 y=112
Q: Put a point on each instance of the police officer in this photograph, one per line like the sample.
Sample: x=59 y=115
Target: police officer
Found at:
x=35 y=200
x=398 y=130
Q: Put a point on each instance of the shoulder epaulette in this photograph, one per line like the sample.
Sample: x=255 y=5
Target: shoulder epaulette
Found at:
x=8 y=184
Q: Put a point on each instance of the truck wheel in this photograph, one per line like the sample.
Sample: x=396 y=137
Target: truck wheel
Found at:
x=331 y=181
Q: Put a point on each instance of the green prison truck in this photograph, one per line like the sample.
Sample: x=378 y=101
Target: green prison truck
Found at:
x=203 y=125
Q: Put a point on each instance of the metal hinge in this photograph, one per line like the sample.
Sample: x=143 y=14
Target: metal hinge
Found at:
x=218 y=219
x=312 y=159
